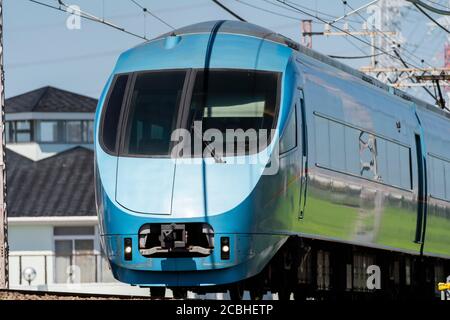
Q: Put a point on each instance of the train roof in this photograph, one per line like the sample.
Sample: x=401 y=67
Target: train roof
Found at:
x=249 y=29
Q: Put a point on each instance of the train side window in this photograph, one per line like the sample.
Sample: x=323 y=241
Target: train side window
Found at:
x=393 y=169
x=382 y=161
x=288 y=140
x=337 y=146
x=439 y=182
x=430 y=171
x=447 y=180
x=439 y=177
x=111 y=114
x=322 y=141
x=352 y=151
x=352 y=158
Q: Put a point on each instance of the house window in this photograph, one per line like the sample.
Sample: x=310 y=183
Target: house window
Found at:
x=80 y=131
x=75 y=255
x=48 y=131
x=74 y=131
x=19 y=131
x=89 y=128
x=7 y=131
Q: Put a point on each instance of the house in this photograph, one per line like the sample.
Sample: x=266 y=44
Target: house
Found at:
x=53 y=235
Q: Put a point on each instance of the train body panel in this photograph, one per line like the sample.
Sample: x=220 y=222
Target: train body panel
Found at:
x=355 y=165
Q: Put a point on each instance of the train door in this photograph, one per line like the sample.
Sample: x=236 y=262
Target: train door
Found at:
x=304 y=152
x=422 y=190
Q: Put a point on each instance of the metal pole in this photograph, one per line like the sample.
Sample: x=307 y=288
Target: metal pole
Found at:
x=4 y=283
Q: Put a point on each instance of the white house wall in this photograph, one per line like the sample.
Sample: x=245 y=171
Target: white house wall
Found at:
x=38 y=151
x=28 y=246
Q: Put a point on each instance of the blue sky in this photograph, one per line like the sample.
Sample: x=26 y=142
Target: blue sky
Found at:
x=40 y=50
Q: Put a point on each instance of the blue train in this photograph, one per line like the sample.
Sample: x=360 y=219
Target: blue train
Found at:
x=348 y=176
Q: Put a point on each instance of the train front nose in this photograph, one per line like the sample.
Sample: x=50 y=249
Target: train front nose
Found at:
x=194 y=211
x=235 y=114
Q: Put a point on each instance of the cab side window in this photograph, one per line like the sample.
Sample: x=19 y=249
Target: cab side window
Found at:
x=288 y=139
x=111 y=114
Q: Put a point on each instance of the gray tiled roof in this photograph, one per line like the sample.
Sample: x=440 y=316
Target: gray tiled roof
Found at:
x=62 y=185
x=50 y=99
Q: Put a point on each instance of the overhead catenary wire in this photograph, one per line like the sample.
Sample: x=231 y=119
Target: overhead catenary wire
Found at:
x=439 y=4
x=299 y=19
x=289 y=4
x=393 y=42
x=406 y=65
x=316 y=15
x=430 y=8
x=229 y=10
x=402 y=61
x=64 y=8
x=147 y=11
x=389 y=38
x=353 y=36
x=268 y=10
x=431 y=18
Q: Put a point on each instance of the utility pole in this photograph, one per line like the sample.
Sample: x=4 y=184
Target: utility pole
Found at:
x=4 y=283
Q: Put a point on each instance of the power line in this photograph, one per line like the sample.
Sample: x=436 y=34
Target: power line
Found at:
x=431 y=18
x=385 y=36
x=268 y=11
x=146 y=11
x=298 y=19
x=229 y=10
x=286 y=3
x=438 y=4
x=62 y=59
x=411 y=55
x=307 y=9
x=430 y=8
x=397 y=56
x=87 y=16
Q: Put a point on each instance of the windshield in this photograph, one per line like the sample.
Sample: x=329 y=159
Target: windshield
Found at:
x=236 y=101
x=220 y=99
x=152 y=117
